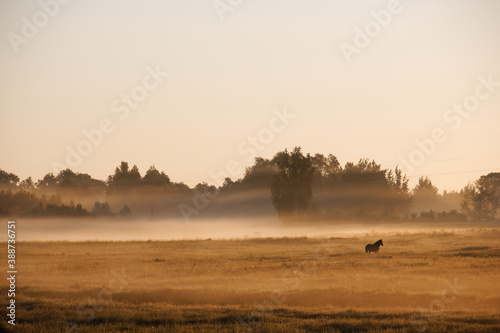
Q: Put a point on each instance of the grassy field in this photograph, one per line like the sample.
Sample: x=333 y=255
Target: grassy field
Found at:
x=435 y=281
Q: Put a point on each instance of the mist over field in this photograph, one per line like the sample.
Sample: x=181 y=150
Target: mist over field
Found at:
x=421 y=280
x=250 y=166
x=300 y=243
x=82 y=229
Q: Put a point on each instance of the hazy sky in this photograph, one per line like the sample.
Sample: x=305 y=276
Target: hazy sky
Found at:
x=361 y=79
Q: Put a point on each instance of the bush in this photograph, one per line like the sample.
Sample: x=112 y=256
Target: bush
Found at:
x=125 y=211
x=432 y=216
x=102 y=209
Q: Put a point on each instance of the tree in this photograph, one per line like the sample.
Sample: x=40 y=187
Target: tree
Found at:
x=425 y=196
x=47 y=181
x=60 y=210
x=401 y=196
x=365 y=191
x=365 y=174
x=325 y=168
x=155 y=177
x=228 y=183
x=69 y=179
x=361 y=191
x=261 y=174
x=66 y=178
x=425 y=187
x=123 y=178
x=125 y=211
x=102 y=209
x=291 y=189
x=481 y=198
x=27 y=184
x=8 y=180
x=206 y=189
x=17 y=203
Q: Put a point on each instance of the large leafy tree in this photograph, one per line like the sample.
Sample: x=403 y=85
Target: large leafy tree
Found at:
x=8 y=180
x=155 y=177
x=47 y=180
x=291 y=189
x=365 y=190
x=400 y=197
x=425 y=187
x=425 y=196
x=261 y=174
x=481 y=199
x=326 y=169
x=124 y=178
x=66 y=179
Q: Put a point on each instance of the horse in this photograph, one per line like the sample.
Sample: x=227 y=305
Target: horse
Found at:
x=373 y=247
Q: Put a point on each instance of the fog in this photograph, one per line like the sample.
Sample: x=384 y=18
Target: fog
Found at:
x=93 y=229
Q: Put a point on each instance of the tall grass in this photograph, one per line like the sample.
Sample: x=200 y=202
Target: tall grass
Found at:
x=427 y=281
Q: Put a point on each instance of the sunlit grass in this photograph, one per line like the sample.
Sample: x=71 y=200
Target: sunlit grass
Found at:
x=440 y=281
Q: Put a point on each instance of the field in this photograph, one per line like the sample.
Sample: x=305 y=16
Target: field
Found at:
x=424 y=281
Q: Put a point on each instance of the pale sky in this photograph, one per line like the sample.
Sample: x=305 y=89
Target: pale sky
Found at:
x=63 y=67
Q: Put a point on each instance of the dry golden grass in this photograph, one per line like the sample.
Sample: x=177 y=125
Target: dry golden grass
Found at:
x=428 y=281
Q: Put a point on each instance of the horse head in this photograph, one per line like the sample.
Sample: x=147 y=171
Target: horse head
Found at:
x=380 y=242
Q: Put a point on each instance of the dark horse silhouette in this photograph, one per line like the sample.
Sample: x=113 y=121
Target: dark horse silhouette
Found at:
x=373 y=247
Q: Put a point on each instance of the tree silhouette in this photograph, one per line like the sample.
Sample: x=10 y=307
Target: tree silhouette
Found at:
x=359 y=191
x=8 y=180
x=261 y=174
x=124 y=179
x=400 y=197
x=481 y=198
x=206 y=189
x=425 y=195
x=425 y=187
x=66 y=178
x=364 y=191
x=326 y=169
x=17 y=203
x=47 y=181
x=155 y=177
x=102 y=209
x=125 y=211
x=291 y=189
x=27 y=184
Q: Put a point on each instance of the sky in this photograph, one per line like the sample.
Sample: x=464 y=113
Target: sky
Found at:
x=198 y=88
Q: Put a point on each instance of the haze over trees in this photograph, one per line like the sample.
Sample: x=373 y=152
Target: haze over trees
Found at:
x=291 y=188
x=296 y=187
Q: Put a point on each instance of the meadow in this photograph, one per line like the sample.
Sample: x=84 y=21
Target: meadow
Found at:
x=426 y=281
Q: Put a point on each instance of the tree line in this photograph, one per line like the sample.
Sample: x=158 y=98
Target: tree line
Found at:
x=301 y=187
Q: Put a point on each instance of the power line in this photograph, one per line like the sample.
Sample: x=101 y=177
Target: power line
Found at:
x=395 y=165
x=389 y=166
x=452 y=159
x=463 y=158
x=453 y=173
